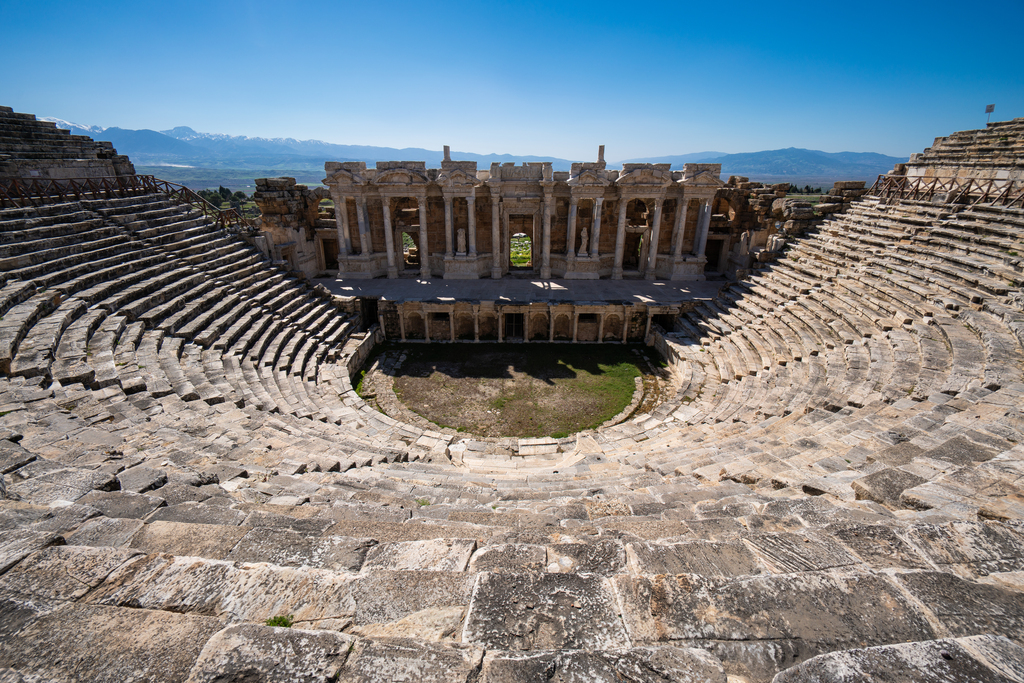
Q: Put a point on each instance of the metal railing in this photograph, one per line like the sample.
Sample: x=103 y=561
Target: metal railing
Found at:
x=970 y=191
x=24 y=192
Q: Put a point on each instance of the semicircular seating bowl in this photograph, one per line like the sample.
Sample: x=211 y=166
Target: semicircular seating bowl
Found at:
x=184 y=459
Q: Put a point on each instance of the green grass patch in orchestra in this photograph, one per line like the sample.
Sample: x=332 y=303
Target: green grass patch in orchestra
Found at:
x=523 y=390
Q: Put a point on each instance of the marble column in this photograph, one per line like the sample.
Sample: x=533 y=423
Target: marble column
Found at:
x=495 y=235
x=401 y=323
x=620 y=240
x=365 y=243
x=451 y=323
x=595 y=237
x=652 y=253
x=341 y=220
x=424 y=251
x=476 y=323
x=570 y=232
x=447 y=227
x=680 y=226
x=703 y=225
x=600 y=328
x=575 y=325
x=389 y=238
x=471 y=206
x=551 y=324
x=426 y=324
x=501 y=326
x=545 y=257
x=526 y=325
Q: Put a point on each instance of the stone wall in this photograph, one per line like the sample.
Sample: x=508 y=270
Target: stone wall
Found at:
x=290 y=218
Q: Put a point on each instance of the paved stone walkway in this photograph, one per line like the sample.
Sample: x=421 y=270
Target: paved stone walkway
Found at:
x=517 y=290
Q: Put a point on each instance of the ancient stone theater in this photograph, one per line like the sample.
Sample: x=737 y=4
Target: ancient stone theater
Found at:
x=827 y=486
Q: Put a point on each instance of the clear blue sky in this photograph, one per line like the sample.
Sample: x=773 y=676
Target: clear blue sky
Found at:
x=546 y=78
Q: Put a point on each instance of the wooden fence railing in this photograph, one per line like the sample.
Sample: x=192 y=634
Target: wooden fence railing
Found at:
x=22 y=192
x=950 y=190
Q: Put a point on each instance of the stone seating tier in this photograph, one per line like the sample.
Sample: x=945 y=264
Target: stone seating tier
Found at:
x=179 y=434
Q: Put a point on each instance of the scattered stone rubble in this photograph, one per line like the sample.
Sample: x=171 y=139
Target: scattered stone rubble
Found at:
x=834 y=491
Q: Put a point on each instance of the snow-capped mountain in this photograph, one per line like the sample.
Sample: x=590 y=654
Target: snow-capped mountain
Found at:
x=75 y=128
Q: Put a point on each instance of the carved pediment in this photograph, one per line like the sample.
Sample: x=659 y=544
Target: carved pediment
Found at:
x=645 y=177
x=399 y=177
x=589 y=178
x=456 y=177
x=702 y=175
x=345 y=177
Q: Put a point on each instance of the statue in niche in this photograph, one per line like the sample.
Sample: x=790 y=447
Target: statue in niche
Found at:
x=744 y=244
x=584 y=238
x=462 y=241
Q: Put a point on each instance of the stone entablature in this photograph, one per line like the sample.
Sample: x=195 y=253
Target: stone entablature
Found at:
x=457 y=222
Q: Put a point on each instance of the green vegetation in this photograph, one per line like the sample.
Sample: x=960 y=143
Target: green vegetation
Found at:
x=422 y=502
x=284 y=621
x=520 y=251
x=232 y=178
x=359 y=381
x=806 y=189
x=223 y=198
x=523 y=390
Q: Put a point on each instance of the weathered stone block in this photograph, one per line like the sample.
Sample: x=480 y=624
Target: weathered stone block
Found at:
x=966 y=608
x=707 y=558
x=63 y=572
x=885 y=486
x=250 y=652
x=106 y=532
x=960 y=451
x=962 y=660
x=761 y=625
x=89 y=643
x=543 y=612
x=17 y=544
x=141 y=479
x=292 y=549
x=122 y=504
x=509 y=557
x=638 y=665
x=399 y=659
x=442 y=554
x=202 y=540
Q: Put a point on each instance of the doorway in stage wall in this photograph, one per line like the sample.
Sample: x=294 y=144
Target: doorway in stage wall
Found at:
x=522 y=246
x=330 y=251
x=713 y=253
x=639 y=219
x=513 y=327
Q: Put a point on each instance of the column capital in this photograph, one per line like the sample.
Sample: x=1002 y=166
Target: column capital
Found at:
x=598 y=200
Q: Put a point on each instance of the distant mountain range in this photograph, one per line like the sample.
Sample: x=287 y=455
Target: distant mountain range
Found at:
x=794 y=162
x=183 y=147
